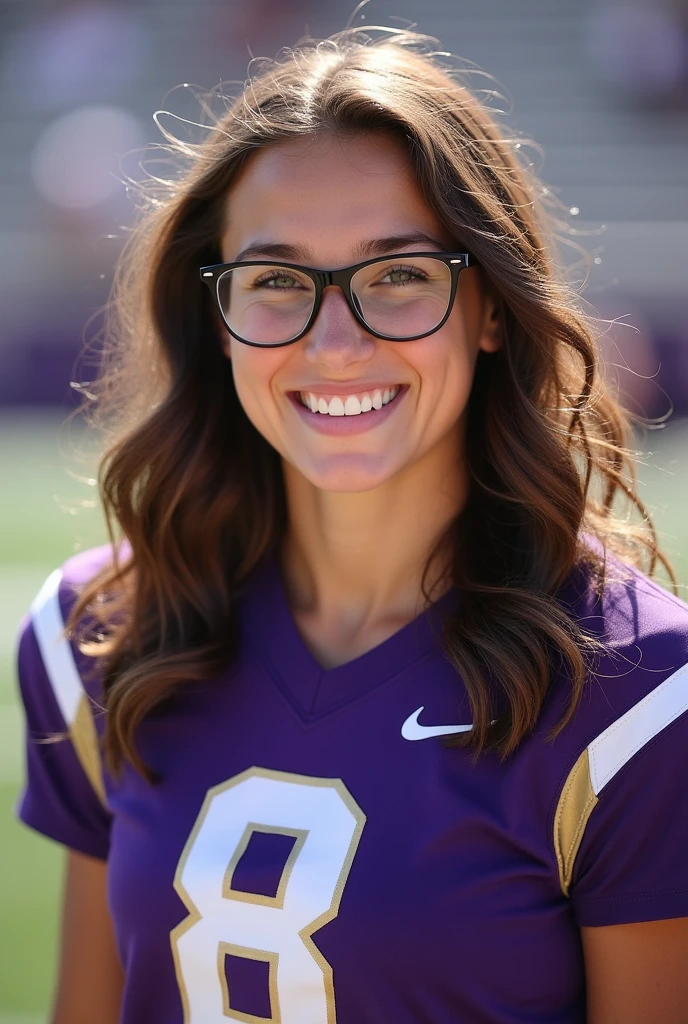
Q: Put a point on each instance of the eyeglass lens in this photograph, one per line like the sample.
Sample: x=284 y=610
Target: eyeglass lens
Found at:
x=400 y=298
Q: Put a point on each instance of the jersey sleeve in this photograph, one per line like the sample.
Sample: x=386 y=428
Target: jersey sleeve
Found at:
x=623 y=814
x=64 y=795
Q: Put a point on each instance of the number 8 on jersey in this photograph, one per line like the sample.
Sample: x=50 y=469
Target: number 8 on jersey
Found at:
x=326 y=824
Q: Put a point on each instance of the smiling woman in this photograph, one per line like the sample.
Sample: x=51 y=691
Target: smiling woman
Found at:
x=392 y=723
x=444 y=318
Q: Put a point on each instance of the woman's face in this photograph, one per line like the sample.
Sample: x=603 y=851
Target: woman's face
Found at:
x=331 y=200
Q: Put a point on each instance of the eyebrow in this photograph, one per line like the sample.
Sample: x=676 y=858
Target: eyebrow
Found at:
x=364 y=250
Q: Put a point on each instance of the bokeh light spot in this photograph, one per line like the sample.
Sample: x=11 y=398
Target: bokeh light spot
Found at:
x=75 y=163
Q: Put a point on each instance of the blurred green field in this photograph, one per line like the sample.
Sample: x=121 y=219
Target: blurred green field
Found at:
x=41 y=524
x=41 y=521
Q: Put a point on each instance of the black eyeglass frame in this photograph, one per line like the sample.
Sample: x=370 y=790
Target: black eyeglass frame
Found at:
x=456 y=261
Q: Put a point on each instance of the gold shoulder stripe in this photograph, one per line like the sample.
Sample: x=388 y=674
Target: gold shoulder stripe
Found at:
x=575 y=806
x=605 y=756
x=65 y=680
x=84 y=737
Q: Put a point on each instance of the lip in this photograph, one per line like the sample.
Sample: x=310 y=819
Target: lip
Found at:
x=347 y=387
x=345 y=425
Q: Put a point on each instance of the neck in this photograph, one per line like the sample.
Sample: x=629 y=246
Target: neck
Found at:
x=354 y=559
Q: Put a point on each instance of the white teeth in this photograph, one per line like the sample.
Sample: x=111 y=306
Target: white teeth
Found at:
x=349 y=405
x=352 y=406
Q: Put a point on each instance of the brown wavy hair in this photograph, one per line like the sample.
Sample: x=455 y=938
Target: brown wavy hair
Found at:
x=197 y=493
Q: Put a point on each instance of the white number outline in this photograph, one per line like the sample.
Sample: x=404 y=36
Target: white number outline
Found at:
x=305 y=934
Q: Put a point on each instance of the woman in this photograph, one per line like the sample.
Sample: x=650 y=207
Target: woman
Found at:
x=388 y=733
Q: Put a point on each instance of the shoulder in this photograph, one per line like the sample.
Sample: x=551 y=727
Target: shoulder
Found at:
x=44 y=625
x=641 y=628
x=626 y=589
x=51 y=608
x=629 y=733
x=65 y=792
x=60 y=686
x=637 y=611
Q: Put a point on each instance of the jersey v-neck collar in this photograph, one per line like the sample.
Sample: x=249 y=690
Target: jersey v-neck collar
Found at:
x=314 y=691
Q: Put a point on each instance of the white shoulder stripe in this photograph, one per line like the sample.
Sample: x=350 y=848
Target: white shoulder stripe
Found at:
x=625 y=737
x=57 y=655
x=65 y=680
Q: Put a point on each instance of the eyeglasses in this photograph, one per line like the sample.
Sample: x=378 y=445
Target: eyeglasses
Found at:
x=397 y=298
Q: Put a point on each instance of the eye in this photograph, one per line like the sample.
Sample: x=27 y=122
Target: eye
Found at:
x=402 y=275
x=279 y=279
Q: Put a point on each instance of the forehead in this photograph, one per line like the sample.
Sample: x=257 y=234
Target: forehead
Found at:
x=326 y=194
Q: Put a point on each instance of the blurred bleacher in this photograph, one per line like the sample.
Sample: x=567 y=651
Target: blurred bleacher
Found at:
x=601 y=86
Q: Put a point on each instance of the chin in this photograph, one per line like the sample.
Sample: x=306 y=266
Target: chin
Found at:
x=349 y=474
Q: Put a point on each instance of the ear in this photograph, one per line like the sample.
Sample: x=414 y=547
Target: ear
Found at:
x=491 y=330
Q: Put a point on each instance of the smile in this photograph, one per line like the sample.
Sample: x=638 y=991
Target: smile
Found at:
x=348 y=405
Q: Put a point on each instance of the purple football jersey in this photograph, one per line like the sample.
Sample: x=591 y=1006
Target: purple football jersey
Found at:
x=316 y=854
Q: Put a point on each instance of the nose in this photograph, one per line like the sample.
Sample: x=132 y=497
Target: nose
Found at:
x=336 y=339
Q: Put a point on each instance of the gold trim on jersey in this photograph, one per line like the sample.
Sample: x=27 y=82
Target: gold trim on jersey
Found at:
x=575 y=806
x=84 y=737
x=299 y=834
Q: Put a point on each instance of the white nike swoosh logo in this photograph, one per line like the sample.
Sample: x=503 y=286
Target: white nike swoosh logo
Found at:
x=413 y=730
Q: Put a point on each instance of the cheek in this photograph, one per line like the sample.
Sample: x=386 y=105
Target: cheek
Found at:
x=254 y=371
x=446 y=368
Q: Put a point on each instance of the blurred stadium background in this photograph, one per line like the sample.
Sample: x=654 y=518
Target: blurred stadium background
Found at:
x=602 y=85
